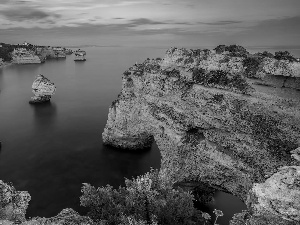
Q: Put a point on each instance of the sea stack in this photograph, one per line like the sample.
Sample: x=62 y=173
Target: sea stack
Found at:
x=42 y=89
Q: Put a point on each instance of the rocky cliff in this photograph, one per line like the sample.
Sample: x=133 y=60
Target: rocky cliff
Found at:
x=42 y=89
x=211 y=118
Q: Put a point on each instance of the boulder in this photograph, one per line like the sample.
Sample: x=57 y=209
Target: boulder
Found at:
x=42 y=89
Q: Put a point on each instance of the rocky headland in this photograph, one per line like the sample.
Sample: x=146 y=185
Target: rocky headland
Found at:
x=219 y=117
x=43 y=89
x=223 y=118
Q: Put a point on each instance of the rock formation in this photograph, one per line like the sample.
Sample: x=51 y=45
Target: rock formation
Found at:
x=276 y=201
x=13 y=205
x=210 y=120
x=42 y=89
x=279 y=194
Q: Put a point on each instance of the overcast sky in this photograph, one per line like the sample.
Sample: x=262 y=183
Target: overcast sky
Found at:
x=151 y=22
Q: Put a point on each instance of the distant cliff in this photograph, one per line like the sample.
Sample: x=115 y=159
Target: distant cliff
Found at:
x=212 y=120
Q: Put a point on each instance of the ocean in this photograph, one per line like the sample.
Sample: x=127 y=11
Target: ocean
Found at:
x=50 y=150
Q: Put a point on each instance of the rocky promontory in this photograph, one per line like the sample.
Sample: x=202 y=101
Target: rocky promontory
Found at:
x=42 y=89
x=219 y=117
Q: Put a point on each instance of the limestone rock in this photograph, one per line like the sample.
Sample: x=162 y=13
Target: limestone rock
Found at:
x=211 y=126
x=278 y=196
x=296 y=154
x=42 y=89
x=13 y=204
x=65 y=217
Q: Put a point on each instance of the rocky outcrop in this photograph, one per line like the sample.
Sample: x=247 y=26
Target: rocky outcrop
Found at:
x=279 y=194
x=13 y=205
x=210 y=122
x=42 y=89
x=276 y=201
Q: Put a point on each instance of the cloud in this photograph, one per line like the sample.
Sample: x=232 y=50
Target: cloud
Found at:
x=26 y=13
x=224 y=22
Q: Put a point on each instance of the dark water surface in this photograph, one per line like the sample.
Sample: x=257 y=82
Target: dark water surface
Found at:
x=50 y=150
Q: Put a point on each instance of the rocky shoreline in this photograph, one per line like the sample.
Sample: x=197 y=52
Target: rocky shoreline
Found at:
x=218 y=120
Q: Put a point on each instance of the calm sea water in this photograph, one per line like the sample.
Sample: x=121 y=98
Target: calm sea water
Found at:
x=50 y=150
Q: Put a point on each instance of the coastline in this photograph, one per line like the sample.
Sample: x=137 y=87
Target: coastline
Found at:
x=5 y=64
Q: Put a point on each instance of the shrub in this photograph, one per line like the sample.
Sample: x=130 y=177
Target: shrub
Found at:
x=148 y=199
x=126 y=73
x=234 y=50
x=252 y=66
x=284 y=56
x=240 y=83
x=220 y=49
x=220 y=77
x=5 y=52
x=267 y=54
x=199 y=76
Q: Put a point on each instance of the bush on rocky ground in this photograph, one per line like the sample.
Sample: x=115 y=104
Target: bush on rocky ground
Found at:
x=251 y=65
x=284 y=56
x=147 y=199
x=220 y=78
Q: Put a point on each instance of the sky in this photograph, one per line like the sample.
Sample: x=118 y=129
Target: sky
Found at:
x=160 y=23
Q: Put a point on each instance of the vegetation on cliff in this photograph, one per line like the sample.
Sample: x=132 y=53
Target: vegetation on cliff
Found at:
x=285 y=55
x=221 y=78
x=147 y=199
x=234 y=50
x=252 y=65
x=5 y=52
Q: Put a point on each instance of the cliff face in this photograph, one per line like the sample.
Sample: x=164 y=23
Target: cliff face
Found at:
x=211 y=122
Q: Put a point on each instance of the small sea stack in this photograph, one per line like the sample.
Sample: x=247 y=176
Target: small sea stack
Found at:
x=42 y=89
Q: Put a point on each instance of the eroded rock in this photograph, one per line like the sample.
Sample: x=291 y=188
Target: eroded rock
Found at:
x=276 y=201
x=279 y=194
x=42 y=89
x=211 y=124
x=13 y=204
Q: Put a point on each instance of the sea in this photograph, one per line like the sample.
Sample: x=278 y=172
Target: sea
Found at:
x=51 y=149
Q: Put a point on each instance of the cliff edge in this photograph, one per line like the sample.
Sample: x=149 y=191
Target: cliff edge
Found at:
x=223 y=117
